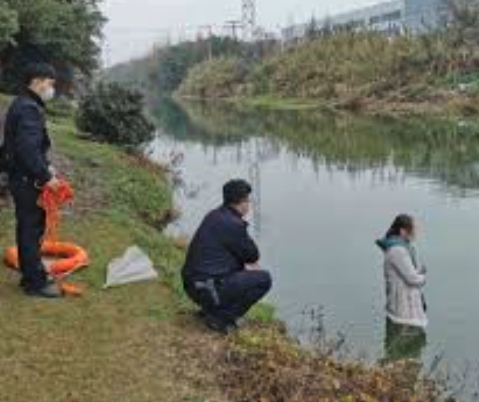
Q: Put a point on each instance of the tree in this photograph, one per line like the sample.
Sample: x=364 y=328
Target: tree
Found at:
x=65 y=33
x=8 y=25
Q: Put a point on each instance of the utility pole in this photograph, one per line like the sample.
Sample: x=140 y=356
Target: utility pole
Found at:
x=208 y=38
x=255 y=177
x=232 y=28
x=249 y=19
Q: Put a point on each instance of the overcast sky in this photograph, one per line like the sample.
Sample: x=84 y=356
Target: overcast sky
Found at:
x=136 y=25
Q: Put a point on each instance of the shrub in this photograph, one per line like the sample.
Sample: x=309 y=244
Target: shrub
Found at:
x=217 y=78
x=114 y=114
x=263 y=364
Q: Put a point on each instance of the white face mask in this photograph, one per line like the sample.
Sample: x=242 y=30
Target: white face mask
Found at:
x=48 y=94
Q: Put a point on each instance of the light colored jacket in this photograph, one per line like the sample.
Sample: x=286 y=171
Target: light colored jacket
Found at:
x=404 y=282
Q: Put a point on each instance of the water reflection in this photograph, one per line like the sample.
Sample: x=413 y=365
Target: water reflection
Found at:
x=446 y=152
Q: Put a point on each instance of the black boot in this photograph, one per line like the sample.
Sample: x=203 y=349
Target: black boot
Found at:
x=219 y=325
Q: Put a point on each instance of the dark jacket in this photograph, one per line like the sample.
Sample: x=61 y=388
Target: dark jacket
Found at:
x=27 y=141
x=221 y=246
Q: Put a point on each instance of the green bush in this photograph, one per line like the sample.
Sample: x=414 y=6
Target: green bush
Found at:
x=217 y=78
x=114 y=114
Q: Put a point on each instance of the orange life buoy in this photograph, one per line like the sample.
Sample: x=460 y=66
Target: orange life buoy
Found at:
x=70 y=258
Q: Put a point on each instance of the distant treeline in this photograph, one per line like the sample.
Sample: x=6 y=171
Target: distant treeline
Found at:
x=66 y=33
x=167 y=67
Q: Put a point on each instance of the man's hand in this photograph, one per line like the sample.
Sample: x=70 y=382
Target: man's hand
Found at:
x=253 y=267
x=54 y=183
x=53 y=170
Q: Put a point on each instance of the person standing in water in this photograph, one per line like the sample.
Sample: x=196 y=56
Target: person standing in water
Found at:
x=405 y=279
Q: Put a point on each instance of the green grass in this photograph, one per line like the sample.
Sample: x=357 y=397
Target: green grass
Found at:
x=126 y=344
x=263 y=312
x=280 y=103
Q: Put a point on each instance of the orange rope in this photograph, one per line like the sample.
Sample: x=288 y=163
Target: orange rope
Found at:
x=51 y=201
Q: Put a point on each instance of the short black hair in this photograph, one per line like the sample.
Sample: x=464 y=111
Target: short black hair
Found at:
x=38 y=71
x=236 y=191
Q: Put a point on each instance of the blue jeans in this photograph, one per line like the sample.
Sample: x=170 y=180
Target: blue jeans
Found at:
x=235 y=294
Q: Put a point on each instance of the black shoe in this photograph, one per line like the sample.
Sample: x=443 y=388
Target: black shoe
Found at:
x=49 y=291
x=200 y=314
x=219 y=325
x=23 y=284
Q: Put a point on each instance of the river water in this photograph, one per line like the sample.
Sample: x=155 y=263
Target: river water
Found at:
x=326 y=186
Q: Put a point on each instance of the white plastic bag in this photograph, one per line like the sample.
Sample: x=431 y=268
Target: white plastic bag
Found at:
x=134 y=266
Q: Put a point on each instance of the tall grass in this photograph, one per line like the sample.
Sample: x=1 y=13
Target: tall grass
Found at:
x=349 y=66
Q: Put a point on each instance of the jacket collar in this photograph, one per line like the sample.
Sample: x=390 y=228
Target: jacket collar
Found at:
x=234 y=212
x=387 y=242
x=34 y=96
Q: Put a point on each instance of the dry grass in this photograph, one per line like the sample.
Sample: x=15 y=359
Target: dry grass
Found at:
x=265 y=366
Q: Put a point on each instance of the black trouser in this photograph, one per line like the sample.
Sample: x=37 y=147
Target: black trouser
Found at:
x=232 y=296
x=29 y=232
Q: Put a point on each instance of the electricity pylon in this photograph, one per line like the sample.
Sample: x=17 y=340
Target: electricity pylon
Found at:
x=249 y=19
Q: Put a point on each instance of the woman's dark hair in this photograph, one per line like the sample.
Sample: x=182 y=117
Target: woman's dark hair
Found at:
x=236 y=191
x=38 y=70
x=402 y=222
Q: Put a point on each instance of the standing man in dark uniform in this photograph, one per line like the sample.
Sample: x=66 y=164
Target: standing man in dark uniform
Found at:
x=222 y=273
x=26 y=147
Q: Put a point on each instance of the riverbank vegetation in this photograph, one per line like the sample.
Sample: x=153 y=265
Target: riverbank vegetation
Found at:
x=114 y=114
x=358 y=70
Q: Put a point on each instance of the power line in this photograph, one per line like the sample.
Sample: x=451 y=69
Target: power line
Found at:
x=208 y=36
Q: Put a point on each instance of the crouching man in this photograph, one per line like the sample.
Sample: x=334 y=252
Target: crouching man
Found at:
x=222 y=273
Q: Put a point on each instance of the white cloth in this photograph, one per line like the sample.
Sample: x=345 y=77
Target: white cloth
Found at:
x=404 y=283
x=134 y=266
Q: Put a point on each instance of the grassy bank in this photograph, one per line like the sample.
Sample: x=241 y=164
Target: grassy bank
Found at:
x=263 y=102
x=357 y=71
x=129 y=344
x=140 y=343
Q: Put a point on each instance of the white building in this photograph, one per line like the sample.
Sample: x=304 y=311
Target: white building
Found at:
x=384 y=17
x=391 y=18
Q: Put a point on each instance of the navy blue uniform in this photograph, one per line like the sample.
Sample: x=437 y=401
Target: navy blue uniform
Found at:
x=27 y=144
x=214 y=273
